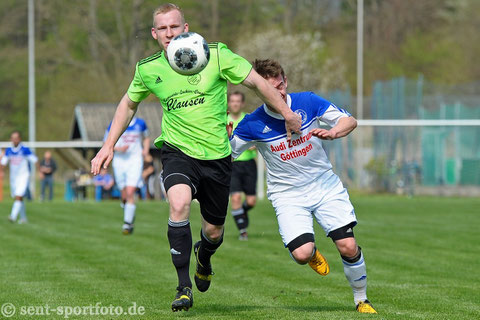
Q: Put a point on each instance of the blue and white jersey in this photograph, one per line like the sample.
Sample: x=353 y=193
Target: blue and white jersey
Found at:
x=18 y=157
x=132 y=137
x=295 y=163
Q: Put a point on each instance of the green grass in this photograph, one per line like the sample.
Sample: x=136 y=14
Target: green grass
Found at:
x=422 y=259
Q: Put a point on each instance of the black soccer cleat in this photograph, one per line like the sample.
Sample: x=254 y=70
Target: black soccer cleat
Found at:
x=183 y=299
x=127 y=229
x=203 y=275
x=243 y=236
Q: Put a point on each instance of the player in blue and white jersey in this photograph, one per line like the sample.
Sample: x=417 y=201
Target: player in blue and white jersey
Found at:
x=300 y=181
x=18 y=157
x=127 y=164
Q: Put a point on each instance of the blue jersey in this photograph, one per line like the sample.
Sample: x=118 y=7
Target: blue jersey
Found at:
x=291 y=163
x=18 y=157
x=132 y=137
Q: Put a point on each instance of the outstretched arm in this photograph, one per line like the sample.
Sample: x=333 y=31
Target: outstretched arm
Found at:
x=269 y=95
x=343 y=127
x=125 y=111
x=146 y=147
x=3 y=160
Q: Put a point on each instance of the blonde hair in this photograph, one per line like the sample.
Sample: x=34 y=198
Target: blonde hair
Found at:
x=167 y=7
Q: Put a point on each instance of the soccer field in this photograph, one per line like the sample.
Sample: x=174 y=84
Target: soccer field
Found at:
x=421 y=253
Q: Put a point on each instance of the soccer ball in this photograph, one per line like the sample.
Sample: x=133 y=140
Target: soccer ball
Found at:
x=188 y=53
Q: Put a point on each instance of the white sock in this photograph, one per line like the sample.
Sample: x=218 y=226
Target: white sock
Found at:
x=129 y=213
x=23 y=212
x=17 y=206
x=356 y=274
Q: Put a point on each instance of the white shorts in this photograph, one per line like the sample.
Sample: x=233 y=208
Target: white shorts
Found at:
x=127 y=171
x=325 y=199
x=19 y=185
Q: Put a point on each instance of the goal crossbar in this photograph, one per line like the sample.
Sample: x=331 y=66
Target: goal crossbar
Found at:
x=361 y=123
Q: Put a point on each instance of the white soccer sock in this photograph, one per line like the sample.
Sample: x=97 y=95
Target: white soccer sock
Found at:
x=23 y=212
x=356 y=274
x=17 y=206
x=129 y=213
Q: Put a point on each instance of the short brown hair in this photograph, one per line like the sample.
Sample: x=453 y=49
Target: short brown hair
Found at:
x=268 y=68
x=167 y=7
x=236 y=93
x=16 y=132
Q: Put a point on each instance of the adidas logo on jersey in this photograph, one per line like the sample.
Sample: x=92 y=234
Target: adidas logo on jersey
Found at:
x=158 y=80
x=266 y=129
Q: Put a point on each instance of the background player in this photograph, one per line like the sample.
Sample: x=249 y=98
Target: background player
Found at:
x=301 y=183
x=130 y=150
x=104 y=183
x=194 y=144
x=19 y=157
x=244 y=171
x=47 y=168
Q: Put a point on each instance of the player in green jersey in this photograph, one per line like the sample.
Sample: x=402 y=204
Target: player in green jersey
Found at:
x=194 y=144
x=244 y=173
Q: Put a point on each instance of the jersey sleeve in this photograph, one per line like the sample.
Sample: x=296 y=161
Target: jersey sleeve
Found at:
x=326 y=111
x=233 y=67
x=106 y=132
x=144 y=129
x=239 y=145
x=137 y=91
x=31 y=157
x=241 y=139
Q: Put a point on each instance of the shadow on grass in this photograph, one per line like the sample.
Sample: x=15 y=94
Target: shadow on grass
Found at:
x=319 y=308
x=221 y=309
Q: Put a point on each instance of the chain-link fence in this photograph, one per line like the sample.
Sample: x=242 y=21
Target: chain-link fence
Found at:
x=414 y=157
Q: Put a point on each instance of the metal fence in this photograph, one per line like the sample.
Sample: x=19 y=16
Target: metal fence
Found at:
x=422 y=138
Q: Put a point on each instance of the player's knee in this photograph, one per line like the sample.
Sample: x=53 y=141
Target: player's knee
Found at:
x=215 y=236
x=348 y=247
x=179 y=209
x=251 y=201
x=213 y=233
x=236 y=199
x=304 y=253
x=130 y=194
x=301 y=248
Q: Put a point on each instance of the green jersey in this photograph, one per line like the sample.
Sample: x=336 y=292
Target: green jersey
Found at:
x=194 y=107
x=247 y=154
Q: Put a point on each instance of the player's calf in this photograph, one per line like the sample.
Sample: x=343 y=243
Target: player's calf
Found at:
x=354 y=265
x=241 y=220
x=204 y=249
x=180 y=239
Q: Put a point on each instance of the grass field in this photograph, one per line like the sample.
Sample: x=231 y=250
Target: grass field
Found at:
x=422 y=257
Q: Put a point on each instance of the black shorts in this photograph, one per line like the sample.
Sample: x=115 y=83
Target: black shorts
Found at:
x=244 y=177
x=209 y=180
